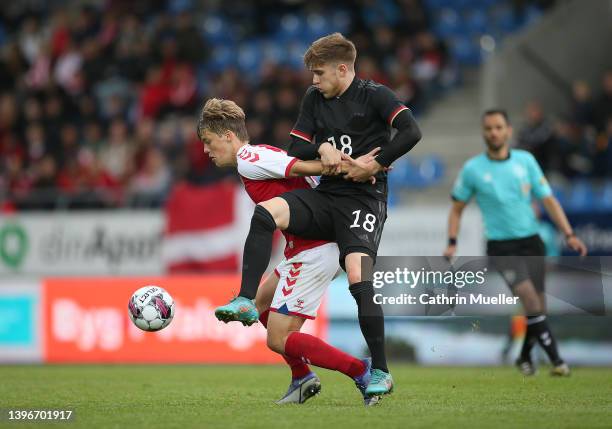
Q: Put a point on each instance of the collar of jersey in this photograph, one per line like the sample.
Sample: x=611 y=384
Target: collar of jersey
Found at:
x=499 y=160
x=350 y=89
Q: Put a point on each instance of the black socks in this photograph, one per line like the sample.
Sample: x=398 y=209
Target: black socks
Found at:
x=371 y=322
x=257 y=251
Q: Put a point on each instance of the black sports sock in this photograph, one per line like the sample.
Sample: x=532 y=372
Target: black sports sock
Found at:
x=528 y=343
x=257 y=251
x=371 y=322
x=538 y=327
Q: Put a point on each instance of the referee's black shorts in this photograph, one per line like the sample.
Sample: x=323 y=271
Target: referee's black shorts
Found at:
x=519 y=259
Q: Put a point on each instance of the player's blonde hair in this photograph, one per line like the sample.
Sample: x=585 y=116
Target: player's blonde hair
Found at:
x=219 y=116
x=331 y=49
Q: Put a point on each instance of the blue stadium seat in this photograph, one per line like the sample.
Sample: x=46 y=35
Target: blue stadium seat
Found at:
x=465 y=50
x=504 y=19
x=476 y=22
x=582 y=196
x=605 y=198
x=291 y=27
x=217 y=30
x=340 y=21
x=448 y=23
x=438 y=4
x=317 y=25
x=222 y=57
x=250 y=55
x=431 y=169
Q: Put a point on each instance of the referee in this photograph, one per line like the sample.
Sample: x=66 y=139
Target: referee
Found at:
x=504 y=180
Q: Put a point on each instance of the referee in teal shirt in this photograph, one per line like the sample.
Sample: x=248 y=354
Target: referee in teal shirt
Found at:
x=504 y=181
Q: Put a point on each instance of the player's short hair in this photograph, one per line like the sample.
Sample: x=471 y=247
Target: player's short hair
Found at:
x=330 y=49
x=492 y=112
x=219 y=116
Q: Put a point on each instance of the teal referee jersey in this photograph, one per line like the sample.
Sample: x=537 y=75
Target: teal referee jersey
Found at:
x=503 y=190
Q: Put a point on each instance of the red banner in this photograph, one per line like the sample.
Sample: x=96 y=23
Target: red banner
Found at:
x=86 y=320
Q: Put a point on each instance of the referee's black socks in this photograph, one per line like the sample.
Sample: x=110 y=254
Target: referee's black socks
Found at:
x=257 y=251
x=371 y=322
x=538 y=331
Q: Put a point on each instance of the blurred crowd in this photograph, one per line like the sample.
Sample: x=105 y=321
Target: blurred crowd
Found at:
x=579 y=144
x=98 y=101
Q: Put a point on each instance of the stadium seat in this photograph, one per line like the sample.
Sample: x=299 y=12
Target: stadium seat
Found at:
x=340 y=21
x=582 y=196
x=605 y=198
x=249 y=57
x=465 y=50
x=223 y=57
x=216 y=30
x=476 y=22
x=431 y=169
x=448 y=23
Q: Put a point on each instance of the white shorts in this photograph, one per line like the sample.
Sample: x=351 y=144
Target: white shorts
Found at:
x=303 y=280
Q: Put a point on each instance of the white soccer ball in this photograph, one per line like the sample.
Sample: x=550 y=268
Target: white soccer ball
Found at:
x=151 y=308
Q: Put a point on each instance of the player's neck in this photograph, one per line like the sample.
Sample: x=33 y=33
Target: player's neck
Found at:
x=500 y=154
x=346 y=84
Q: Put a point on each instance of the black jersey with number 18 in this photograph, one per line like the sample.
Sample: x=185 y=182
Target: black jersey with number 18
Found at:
x=356 y=122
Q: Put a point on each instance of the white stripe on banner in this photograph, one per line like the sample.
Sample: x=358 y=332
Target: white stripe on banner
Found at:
x=210 y=244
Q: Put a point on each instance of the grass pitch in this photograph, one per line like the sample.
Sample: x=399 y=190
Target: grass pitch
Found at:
x=243 y=397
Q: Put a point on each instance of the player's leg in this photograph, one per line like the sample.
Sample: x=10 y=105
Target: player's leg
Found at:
x=284 y=337
x=296 y=206
x=546 y=338
x=358 y=224
x=306 y=385
x=267 y=216
x=263 y=300
x=371 y=323
x=303 y=281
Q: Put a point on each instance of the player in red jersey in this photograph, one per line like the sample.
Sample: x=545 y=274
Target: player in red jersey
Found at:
x=294 y=292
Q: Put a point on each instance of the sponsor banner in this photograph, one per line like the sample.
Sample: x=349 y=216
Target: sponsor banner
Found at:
x=86 y=320
x=83 y=243
x=19 y=322
x=421 y=231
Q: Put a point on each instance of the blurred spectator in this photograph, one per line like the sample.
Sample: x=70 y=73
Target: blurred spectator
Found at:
x=575 y=150
x=98 y=99
x=537 y=135
x=603 y=105
x=582 y=108
x=150 y=184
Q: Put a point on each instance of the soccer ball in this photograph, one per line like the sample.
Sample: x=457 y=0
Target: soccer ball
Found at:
x=151 y=308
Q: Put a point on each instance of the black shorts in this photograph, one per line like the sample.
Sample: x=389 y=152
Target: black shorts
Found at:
x=354 y=222
x=513 y=267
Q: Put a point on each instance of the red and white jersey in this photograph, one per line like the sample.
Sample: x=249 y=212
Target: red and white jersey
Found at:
x=264 y=170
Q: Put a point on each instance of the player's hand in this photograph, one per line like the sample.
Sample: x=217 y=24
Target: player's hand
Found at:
x=330 y=158
x=450 y=251
x=577 y=245
x=361 y=169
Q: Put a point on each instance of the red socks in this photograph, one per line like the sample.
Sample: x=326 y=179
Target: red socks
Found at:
x=298 y=368
x=317 y=352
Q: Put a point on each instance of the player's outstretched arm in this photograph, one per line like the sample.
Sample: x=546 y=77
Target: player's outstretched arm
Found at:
x=306 y=168
x=556 y=213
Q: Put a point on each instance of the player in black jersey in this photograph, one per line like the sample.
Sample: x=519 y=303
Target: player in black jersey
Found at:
x=341 y=117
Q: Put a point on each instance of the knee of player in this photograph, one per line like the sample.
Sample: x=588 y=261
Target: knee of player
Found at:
x=276 y=341
x=353 y=275
x=278 y=211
